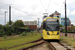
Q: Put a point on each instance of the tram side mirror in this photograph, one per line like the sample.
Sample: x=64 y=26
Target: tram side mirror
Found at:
x=57 y=21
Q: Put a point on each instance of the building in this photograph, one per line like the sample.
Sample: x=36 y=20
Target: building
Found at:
x=72 y=25
x=31 y=24
x=56 y=14
x=63 y=21
x=68 y=22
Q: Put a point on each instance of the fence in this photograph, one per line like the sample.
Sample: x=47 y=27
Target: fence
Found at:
x=68 y=34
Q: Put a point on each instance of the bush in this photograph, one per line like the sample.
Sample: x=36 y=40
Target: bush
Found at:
x=28 y=33
x=2 y=32
x=5 y=36
x=64 y=31
x=18 y=33
x=23 y=34
x=8 y=33
x=31 y=32
x=6 y=30
x=12 y=29
x=68 y=31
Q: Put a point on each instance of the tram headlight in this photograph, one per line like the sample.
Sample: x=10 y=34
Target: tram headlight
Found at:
x=57 y=33
x=48 y=33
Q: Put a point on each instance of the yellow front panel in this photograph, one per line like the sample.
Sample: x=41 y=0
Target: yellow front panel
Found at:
x=53 y=35
x=50 y=17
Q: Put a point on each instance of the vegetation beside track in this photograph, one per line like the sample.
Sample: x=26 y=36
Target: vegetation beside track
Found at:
x=23 y=46
x=18 y=37
x=68 y=40
x=10 y=42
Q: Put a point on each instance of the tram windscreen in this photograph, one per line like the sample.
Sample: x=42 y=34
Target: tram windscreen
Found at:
x=52 y=25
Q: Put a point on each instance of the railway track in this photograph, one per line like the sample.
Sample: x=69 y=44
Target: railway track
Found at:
x=58 y=46
x=51 y=45
x=38 y=42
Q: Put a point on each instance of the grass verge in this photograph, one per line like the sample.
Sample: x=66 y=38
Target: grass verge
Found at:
x=12 y=38
x=68 y=40
x=23 y=46
x=14 y=42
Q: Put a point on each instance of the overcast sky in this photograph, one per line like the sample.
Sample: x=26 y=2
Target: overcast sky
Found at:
x=35 y=9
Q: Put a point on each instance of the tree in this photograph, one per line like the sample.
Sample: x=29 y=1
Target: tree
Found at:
x=8 y=31
x=1 y=26
x=11 y=23
x=2 y=32
x=61 y=25
x=72 y=28
x=18 y=24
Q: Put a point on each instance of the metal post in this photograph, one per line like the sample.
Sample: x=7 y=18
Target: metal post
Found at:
x=5 y=18
x=10 y=16
x=38 y=24
x=34 y=24
x=5 y=22
x=65 y=20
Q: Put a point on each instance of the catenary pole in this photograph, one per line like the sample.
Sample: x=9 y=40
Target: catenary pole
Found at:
x=38 y=24
x=10 y=16
x=5 y=22
x=65 y=20
x=5 y=18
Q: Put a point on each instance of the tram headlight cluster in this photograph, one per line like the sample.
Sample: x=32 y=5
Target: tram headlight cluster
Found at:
x=48 y=33
x=57 y=33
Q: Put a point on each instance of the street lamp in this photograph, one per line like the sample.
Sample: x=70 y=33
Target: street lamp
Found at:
x=5 y=21
x=5 y=18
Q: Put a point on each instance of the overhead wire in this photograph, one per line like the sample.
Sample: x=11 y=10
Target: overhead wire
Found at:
x=17 y=9
x=23 y=12
x=4 y=4
x=49 y=5
x=46 y=9
x=43 y=5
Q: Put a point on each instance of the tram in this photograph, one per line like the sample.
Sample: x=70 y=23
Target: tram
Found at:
x=51 y=28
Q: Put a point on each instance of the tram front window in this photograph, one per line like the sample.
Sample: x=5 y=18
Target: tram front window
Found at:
x=52 y=26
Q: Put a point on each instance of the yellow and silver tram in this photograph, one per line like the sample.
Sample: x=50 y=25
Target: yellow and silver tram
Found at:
x=51 y=28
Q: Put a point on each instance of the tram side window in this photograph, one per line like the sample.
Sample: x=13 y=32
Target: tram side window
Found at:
x=44 y=25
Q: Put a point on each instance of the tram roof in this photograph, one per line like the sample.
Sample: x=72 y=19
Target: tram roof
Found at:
x=50 y=17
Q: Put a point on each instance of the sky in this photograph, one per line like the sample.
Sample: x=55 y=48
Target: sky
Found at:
x=30 y=10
